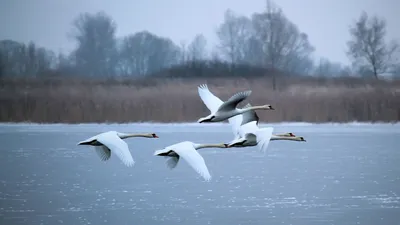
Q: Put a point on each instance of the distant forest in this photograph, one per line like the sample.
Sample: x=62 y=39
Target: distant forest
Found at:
x=248 y=46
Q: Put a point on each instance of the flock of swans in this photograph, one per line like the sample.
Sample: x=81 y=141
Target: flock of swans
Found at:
x=244 y=123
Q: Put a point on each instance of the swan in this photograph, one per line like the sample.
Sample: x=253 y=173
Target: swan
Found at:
x=254 y=138
x=188 y=151
x=111 y=141
x=247 y=133
x=219 y=110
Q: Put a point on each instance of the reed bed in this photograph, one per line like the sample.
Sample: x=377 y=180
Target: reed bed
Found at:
x=177 y=100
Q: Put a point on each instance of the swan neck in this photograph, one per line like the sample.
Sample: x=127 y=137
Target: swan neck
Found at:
x=273 y=138
x=123 y=136
x=256 y=107
x=200 y=146
x=252 y=108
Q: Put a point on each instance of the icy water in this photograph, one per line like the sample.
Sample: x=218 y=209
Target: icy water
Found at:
x=343 y=174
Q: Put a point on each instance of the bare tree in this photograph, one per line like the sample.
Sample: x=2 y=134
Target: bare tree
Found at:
x=284 y=46
x=197 y=48
x=96 y=53
x=144 y=53
x=324 y=67
x=368 y=49
x=233 y=35
x=25 y=60
x=183 y=52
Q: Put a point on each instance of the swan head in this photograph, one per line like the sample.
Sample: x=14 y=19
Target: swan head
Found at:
x=300 y=139
x=206 y=119
x=268 y=107
x=152 y=135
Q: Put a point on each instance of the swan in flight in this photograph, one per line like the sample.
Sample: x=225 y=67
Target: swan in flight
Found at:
x=219 y=110
x=111 y=141
x=247 y=133
x=254 y=138
x=188 y=151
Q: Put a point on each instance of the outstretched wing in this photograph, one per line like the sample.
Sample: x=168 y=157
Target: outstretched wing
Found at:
x=187 y=151
x=247 y=128
x=103 y=152
x=211 y=101
x=249 y=116
x=172 y=161
x=263 y=138
x=117 y=146
x=233 y=101
x=235 y=124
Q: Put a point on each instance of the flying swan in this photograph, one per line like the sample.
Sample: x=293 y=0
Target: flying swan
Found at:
x=111 y=141
x=219 y=110
x=188 y=151
x=247 y=133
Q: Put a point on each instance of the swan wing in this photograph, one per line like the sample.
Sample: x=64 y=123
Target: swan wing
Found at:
x=233 y=101
x=263 y=138
x=211 y=101
x=117 y=146
x=103 y=152
x=249 y=116
x=235 y=125
x=250 y=127
x=187 y=151
x=172 y=161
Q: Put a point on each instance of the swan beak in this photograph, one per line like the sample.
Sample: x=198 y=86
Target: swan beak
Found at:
x=292 y=135
x=270 y=107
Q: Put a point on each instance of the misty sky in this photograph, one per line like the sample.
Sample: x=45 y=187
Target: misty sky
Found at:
x=47 y=22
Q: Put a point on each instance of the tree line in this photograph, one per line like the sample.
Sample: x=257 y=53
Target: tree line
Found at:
x=266 y=40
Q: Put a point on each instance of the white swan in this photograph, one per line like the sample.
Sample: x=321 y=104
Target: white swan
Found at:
x=261 y=138
x=188 y=151
x=111 y=141
x=247 y=133
x=219 y=110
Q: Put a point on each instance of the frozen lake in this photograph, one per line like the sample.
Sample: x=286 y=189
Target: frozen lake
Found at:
x=343 y=174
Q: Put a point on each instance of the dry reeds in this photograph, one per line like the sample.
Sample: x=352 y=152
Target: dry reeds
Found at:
x=177 y=100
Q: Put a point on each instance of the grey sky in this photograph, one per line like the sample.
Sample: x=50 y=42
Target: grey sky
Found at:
x=47 y=22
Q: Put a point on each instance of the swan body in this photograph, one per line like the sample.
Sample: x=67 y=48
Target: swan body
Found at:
x=188 y=151
x=111 y=141
x=219 y=110
x=247 y=133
